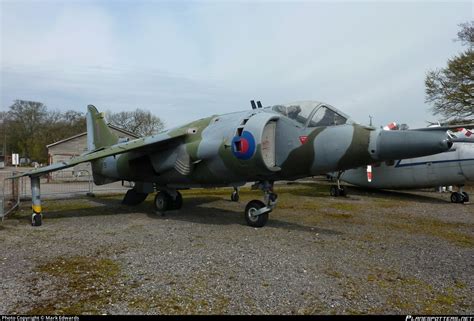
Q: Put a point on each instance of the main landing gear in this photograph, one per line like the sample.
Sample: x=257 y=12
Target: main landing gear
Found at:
x=256 y=212
x=460 y=196
x=167 y=201
x=338 y=190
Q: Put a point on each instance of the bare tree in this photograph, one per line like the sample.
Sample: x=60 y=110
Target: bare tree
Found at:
x=451 y=89
x=140 y=122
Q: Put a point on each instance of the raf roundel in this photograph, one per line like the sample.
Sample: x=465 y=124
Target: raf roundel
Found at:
x=243 y=147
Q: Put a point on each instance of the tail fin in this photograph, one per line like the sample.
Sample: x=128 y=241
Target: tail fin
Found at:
x=98 y=133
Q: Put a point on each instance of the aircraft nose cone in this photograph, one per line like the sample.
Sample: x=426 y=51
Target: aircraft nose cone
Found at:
x=409 y=144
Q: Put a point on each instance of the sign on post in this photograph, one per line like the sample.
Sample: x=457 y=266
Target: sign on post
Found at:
x=15 y=159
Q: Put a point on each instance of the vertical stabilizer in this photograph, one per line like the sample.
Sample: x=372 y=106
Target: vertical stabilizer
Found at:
x=98 y=133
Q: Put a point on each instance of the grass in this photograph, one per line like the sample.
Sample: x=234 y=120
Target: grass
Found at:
x=429 y=226
x=180 y=297
x=81 y=285
x=406 y=294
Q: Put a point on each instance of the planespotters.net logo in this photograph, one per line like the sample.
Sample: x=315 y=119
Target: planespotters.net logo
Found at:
x=440 y=318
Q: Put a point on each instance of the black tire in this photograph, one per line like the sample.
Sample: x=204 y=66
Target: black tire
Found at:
x=162 y=202
x=334 y=191
x=456 y=197
x=466 y=197
x=132 y=197
x=177 y=203
x=342 y=191
x=234 y=197
x=255 y=221
x=37 y=220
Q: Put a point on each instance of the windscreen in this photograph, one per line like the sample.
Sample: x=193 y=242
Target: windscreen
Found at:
x=326 y=117
x=300 y=113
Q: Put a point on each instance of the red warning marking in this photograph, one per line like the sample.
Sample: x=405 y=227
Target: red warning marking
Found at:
x=303 y=139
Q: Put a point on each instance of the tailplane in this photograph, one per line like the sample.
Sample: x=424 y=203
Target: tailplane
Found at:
x=98 y=133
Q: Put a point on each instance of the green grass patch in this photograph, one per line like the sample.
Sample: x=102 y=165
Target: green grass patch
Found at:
x=449 y=231
x=80 y=285
x=408 y=294
x=188 y=300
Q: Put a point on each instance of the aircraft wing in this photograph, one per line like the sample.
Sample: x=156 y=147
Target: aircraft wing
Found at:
x=146 y=144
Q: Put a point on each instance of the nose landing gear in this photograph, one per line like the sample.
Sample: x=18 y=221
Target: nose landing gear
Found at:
x=256 y=212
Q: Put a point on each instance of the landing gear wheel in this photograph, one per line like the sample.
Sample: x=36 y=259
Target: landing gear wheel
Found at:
x=177 y=203
x=255 y=220
x=132 y=197
x=234 y=197
x=36 y=219
x=457 y=197
x=162 y=202
x=466 y=197
x=342 y=191
x=334 y=191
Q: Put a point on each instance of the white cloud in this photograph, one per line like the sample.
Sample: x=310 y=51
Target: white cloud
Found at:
x=189 y=60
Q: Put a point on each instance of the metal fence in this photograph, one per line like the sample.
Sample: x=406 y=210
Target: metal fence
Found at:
x=62 y=184
x=10 y=196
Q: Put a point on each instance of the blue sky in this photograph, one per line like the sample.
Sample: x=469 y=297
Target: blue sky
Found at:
x=186 y=60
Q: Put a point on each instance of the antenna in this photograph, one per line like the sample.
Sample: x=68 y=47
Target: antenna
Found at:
x=370 y=117
x=252 y=102
x=259 y=104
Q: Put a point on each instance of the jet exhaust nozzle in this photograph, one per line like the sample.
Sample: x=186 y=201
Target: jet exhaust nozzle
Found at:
x=393 y=145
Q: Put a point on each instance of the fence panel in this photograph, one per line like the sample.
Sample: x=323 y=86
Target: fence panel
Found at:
x=61 y=183
x=10 y=194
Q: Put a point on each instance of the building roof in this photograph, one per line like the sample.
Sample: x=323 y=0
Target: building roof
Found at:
x=85 y=133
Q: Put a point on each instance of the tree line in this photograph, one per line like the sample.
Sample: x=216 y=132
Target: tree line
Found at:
x=451 y=89
x=28 y=126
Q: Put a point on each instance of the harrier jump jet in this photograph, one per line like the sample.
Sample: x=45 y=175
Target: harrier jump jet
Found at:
x=261 y=145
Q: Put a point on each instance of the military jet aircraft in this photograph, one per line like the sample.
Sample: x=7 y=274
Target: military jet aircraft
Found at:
x=261 y=145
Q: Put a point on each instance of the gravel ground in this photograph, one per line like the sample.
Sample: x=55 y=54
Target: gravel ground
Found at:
x=384 y=252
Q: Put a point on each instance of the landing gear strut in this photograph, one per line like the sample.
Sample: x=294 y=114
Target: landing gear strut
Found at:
x=168 y=200
x=256 y=212
x=460 y=196
x=338 y=190
x=36 y=217
x=234 y=197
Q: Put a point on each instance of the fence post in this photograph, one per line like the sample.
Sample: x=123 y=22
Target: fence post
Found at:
x=15 y=188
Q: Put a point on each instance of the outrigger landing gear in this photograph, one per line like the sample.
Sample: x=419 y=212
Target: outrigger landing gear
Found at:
x=36 y=217
x=338 y=190
x=167 y=201
x=234 y=197
x=256 y=212
x=460 y=196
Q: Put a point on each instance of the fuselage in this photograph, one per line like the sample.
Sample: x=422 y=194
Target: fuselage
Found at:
x=454 y=167
x=283 y=142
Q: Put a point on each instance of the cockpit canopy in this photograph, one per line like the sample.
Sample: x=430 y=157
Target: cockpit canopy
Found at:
x=312 y=113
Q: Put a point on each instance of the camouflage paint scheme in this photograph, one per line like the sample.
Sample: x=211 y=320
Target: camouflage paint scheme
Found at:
x=263 y=145
x=200 y=153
